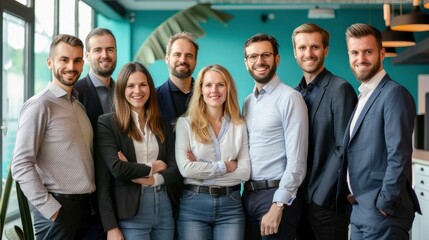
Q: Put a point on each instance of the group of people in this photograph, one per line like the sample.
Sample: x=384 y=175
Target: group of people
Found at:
x=105 y=159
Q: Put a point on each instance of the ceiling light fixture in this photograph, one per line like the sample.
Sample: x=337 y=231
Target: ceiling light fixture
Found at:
x=391 y=52
x=395 y=38
x=416 y=21
x=426 y=4
x=321 y=13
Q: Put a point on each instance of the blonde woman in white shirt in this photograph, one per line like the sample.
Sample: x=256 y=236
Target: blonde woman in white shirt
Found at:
x=212 y=155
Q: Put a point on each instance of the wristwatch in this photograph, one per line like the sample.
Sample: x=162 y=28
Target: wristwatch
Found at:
x=279 y=204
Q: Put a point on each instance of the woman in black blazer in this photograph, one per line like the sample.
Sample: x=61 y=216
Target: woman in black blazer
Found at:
x=138 y=149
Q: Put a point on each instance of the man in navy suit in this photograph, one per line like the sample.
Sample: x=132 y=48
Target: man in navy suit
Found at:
x=96 y=94
x=175 y=93
x=181 y=59
x=330 y=101
x=378 y=145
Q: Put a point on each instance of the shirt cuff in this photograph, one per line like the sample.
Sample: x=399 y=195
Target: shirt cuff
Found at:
x=284 y=197
x=158 y=180
x=218 y=168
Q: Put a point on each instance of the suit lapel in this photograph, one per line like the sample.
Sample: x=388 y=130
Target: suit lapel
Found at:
x=323 y=85
x=369 y=104
x=167 y=102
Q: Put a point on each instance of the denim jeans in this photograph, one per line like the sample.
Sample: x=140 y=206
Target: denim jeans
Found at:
x=154 y=219
x=203 y=216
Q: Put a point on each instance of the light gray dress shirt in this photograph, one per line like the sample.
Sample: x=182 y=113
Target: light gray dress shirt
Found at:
x=53 y=150
x=277 y=122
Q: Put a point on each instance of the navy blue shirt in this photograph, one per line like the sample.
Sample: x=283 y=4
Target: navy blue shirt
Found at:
x=309 y=91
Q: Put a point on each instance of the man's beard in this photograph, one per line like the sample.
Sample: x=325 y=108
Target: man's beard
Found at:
x=181 y=75
x=264 y=79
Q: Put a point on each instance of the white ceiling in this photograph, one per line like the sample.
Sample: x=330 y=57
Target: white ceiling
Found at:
x=260 y=4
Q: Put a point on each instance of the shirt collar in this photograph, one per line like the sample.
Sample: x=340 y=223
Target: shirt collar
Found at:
x=173 y=87
x=269 y=87
x=316 y=81
x=369 y=86
x=96 y=81
x=59 y=92
x=135 y=117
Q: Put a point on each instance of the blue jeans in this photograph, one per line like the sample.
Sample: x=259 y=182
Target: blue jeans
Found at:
x=203 y=216
x=154 y=219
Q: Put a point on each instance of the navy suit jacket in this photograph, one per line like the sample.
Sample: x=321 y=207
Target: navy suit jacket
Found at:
x=121 y=198
x=165 y=102
x=378 y=153
x=330 y=113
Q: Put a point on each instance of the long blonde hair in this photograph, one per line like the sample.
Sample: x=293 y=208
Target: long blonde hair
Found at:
x=197 y=110
x=122 y=107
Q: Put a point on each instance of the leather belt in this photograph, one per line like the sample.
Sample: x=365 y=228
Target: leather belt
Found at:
x=260 y=185
x=74 y=197
x=212 y=190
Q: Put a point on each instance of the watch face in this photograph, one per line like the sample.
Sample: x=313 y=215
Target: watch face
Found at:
x=280 y=204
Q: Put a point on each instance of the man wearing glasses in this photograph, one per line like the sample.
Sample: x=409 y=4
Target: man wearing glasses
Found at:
x=277 y=123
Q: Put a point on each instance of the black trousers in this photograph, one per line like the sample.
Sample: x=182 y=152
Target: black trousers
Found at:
x=256 y=205
x=72 y=220
x=322 y=224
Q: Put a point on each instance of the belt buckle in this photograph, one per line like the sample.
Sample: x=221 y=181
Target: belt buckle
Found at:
x=216 y=191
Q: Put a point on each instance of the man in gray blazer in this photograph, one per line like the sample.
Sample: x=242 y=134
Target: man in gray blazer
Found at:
x=378 y=144
x=330 y=101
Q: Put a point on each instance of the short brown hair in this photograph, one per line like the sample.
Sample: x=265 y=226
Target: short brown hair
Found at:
x=311 y=28
x=65 y=38
x=359 y=30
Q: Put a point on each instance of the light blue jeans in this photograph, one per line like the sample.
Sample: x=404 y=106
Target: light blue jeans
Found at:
x=206 y=217
x=154 y=219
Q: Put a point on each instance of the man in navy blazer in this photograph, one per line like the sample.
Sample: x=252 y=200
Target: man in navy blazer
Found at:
x=378 y=145
x=96 y=94
x=330 y=101
x=175 y=93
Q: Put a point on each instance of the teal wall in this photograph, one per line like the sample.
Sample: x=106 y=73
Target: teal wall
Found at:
x=224 y=44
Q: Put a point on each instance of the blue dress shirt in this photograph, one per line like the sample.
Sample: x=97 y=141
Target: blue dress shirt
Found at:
x=277 y=123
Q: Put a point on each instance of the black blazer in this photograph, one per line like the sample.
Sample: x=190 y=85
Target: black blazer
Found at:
x=328 y=120
x=89 y=98
x=125 y=193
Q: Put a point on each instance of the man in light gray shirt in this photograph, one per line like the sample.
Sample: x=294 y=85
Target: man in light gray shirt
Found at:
x=52 y=160
x=277 y=124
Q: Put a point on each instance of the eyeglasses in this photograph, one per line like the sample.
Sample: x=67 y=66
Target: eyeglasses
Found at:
x=254 y=56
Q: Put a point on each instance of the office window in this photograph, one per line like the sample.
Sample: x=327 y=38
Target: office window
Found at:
x=44 y=29
x=23 y=2
x=13 y=74
x=67 y=17
x=85 y=20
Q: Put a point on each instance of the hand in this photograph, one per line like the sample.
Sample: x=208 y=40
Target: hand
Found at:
x=158 y=166
x=271 y=220
x=191 y=156
x=54 y=217
x=115 y=234
x=122 y=157
x=148 y=181
x=231 y=165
